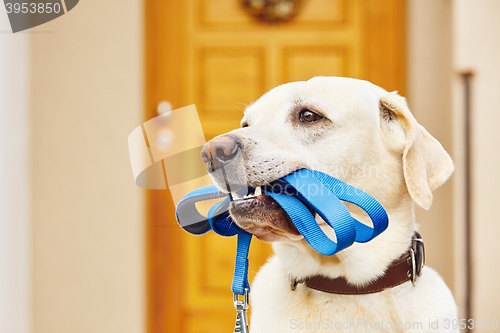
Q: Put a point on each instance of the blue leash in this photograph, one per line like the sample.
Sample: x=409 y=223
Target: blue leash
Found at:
x=305 y=190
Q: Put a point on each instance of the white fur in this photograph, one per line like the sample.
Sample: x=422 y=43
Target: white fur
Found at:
x=394 y=160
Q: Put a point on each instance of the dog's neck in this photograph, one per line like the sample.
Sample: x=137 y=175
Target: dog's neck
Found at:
x=360 y=263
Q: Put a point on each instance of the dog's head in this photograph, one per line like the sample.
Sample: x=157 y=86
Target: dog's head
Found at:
x=347 y=128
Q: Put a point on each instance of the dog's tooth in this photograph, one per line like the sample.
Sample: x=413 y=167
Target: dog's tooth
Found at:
x=258 y=191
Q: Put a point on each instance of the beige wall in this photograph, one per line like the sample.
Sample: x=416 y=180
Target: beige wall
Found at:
x=430 y=99
x=446 y=38
x=477 y=48
x=88 y=213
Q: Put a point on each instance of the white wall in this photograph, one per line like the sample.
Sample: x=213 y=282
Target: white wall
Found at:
x=15 y=182
x=89 y=261
x=476 y=33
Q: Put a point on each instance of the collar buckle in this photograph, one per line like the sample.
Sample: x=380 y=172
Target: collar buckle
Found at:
x=417 y=256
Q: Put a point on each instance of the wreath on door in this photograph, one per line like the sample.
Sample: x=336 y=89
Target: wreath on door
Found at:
x=272 y=11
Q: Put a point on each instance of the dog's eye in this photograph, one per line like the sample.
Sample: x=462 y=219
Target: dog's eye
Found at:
x=307 y=116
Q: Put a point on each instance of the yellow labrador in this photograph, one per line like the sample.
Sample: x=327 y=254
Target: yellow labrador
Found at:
x=367 y=137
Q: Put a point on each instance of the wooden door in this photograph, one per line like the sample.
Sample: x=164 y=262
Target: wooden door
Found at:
x=215 y=55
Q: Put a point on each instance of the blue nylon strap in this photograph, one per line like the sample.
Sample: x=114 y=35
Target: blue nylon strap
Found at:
x=219 y=221
x=222 y=224
x=309 y=228
x=187 y=214
x=351 y=194
x=321 y=190
x=327 y=205
x=314 y=191
x=240 y=279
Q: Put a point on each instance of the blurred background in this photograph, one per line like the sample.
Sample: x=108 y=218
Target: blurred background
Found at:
x=83 y=249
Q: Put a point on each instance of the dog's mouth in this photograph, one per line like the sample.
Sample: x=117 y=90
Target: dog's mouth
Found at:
x=260 y=215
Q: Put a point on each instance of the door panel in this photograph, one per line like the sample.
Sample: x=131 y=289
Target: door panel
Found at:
x=213 y=54
x=303 y=62
x=238 y=70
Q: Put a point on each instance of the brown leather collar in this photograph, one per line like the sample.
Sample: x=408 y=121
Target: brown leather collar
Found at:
x=407 y=268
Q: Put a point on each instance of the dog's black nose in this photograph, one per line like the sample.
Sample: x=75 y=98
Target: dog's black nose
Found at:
x=220 y=151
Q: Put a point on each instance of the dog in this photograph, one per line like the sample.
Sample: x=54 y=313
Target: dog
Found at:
x=367 y=137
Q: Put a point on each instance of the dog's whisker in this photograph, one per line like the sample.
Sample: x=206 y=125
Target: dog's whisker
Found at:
x=242 y=107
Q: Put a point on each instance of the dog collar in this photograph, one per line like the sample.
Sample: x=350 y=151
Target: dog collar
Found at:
x=407 y=268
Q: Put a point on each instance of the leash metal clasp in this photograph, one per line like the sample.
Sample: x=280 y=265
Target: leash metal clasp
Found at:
x=241 y=325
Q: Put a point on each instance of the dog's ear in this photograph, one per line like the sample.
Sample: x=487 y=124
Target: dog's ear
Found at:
x=426 y=165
